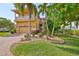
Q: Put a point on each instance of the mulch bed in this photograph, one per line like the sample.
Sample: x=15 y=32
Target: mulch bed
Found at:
x=55 y=39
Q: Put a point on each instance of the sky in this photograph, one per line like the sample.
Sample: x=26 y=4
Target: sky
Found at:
x=5 y=11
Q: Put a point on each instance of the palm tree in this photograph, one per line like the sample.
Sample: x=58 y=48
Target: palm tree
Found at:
x=20 y=6
x=43 y=10
x=32 y=8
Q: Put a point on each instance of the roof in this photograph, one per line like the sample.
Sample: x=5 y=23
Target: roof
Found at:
x=25 y=11
x=20 y=12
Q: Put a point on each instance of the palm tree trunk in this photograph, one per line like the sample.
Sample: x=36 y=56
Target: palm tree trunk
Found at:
x=29 y=26
x=63 y=29
x=22 y=7
x=52 y=31
x=77 y=25
x=70 y=25
x=47 y=27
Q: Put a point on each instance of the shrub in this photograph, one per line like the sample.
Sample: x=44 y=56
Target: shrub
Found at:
x=13 y=31
x=76 y=32
x=72 y=32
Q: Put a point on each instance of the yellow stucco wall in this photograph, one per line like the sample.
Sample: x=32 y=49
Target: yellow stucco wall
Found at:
x=22 y=26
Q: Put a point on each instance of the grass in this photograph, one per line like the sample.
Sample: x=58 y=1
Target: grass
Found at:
x=4 y=33
x=47 y=48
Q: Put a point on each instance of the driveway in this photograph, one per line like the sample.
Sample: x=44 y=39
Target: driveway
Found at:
x=5 y=44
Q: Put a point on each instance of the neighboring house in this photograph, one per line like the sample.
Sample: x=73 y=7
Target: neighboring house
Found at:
x=4 y=30
x=73 y=27
x=23 y=22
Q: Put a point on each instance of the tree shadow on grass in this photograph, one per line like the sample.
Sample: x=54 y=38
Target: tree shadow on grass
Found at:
x=70 y=50
x=71 y=41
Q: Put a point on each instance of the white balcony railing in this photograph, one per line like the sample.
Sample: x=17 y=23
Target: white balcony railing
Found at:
x=25 y=17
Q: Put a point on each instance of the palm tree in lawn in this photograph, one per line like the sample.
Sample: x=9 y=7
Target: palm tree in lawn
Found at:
x=43 y=10
x=54 y=21
x=32 y=9
x=60 y=14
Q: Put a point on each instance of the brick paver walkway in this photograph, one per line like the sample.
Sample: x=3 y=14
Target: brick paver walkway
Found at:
x=5 y=44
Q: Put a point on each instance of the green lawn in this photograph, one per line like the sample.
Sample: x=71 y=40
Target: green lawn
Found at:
x=4 y=33
x=47 y=48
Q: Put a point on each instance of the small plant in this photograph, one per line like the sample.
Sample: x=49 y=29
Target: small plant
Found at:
x=13 y=31
x=27 y=37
